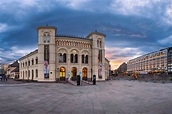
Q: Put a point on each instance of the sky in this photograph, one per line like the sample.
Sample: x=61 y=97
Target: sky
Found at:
x=132 y=27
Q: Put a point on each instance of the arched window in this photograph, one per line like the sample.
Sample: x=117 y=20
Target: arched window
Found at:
x=46 y=36
x=23 y=64
x=86 y=59
x=32 y=62
x=64 y=57
x=71 y=58
x=60 y=58
x=29 y=63
x=29 y=73
x=100 y=44
x=23 y=74
x=76 y=58
x=36 y=73
x=83 y=58
x=36 y=60
x=26 y=73
x=97 y=43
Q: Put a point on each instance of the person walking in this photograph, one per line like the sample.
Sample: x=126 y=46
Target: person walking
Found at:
x=3 y=77
x=6 y=78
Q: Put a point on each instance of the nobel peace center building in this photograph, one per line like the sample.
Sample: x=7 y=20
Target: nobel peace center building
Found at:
x=63 y=57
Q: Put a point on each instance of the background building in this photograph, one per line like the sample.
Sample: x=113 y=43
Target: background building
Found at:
x=5 y=68
x=61 y=57
x=1 y=69
x=158 y=61
x=13 y=70
x=122 y=68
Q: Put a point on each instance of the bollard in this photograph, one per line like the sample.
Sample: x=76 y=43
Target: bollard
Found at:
x=94 y=79
x=78 y=80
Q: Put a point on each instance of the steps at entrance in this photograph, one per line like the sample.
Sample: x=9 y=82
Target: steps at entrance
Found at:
x=86 y=82
x=83 y=83
x=72 y=82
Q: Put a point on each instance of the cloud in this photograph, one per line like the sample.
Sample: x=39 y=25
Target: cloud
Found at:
x=117 y=30
x=166 y=40
x=159 y=10
x=3 y=27
x=129 y=7
x=119 y=55
x=74 y=4
x=132 y=27
x=168 y=14
x=14 y=53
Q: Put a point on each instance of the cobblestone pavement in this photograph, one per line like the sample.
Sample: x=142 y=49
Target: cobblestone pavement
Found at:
x=110 y=97
x=11 y=81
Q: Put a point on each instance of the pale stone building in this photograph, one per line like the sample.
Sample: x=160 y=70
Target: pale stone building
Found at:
x=158 y=61
x=1 y=69
x=62 y=58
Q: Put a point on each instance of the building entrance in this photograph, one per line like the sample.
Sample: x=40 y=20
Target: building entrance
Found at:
x=73 y=73
x=84 y=73
x=62 y=74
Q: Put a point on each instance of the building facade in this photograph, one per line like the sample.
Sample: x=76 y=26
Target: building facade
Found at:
x=1 y=69
x=12 y=70
x=158 y=61
x=62 y=58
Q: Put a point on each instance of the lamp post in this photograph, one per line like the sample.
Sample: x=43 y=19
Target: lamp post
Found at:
x=57 y=74
x=91 y=74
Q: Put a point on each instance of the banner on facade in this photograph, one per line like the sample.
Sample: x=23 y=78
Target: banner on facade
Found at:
x=46 y=61
x=100 y=71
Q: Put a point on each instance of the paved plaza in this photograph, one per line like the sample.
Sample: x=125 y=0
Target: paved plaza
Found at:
x=110 y=97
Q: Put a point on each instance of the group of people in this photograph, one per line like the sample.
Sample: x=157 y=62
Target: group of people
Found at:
x=4 y=78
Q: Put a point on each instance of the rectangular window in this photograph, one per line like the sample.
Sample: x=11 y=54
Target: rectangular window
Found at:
x=100 y=56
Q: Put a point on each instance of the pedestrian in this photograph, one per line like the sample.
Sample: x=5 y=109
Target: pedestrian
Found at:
x=6 y=78
x=3 y=77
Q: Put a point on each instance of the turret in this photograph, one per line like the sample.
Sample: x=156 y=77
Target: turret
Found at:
x=46 y=53
x=98 y=54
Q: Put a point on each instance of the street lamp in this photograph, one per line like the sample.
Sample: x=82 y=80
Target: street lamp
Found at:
x=57 y=74
x=91 y=74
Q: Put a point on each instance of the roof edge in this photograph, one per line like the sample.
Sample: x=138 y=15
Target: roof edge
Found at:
x=97 y=33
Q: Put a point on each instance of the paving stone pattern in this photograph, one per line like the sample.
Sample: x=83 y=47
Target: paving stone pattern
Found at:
x=110 y=97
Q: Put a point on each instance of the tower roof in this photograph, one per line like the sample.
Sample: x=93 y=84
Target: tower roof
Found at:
x=97 y=33
x=47 y=27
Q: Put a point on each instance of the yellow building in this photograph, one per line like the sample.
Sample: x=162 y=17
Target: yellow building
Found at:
x=62 y=58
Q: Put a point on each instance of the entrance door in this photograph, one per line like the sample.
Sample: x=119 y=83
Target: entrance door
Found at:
x=62 y=74
x=84 y=73
x=73 y=73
